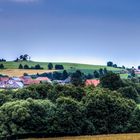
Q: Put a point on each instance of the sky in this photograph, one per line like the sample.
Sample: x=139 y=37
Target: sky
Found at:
x=81 y=31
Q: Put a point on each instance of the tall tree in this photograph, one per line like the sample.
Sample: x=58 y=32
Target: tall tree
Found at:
x=1 y=66
x=111 y=81
x=65 y=74
x=96 y=74
x=26 y=66
x=115 y=65
x=50 y=66
x=25 y=57
x=123 y=67
x=133 y=73
x=21 y=57
x=110 y=64
x=38 y=67
x=105 y=71
x=77 y=78
x=101 y=72
x=20 y=66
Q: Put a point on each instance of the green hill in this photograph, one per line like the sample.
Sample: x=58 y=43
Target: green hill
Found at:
x=68 y=66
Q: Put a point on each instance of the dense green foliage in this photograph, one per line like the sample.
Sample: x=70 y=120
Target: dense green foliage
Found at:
x=108 y=111
x=26 y=116
x=129 y=92
x=111 y=81
x=71 y=110
x=77 y=78
x=70 y=117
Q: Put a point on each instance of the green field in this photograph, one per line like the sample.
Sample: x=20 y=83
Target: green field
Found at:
x=124 y=76
x=103 y=137
x=11 y=68
x=67 y=66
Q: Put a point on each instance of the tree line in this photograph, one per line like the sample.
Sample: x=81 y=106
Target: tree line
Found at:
x=38 y=67
x=24 y=57
x=60 y=110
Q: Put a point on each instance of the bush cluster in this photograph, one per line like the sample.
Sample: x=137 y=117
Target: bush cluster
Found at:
x=68 y=110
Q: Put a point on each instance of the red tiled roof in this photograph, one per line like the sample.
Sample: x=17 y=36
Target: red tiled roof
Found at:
x=137 y=72
x=25 y=77
x=4 y=79
x=30 y=81
x=92 y=82
x=43 y=79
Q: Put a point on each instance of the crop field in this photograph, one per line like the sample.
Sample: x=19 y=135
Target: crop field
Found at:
x=103 y=137
x=18 y=72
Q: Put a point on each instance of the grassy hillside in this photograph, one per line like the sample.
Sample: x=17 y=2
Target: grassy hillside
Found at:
x=67 y=66
x=11 y=68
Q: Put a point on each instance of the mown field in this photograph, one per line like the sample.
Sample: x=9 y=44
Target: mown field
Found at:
x=18 y=72
x=104 y=137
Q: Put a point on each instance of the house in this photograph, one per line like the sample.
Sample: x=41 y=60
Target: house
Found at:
x=28 y=82
x=63 y=82
x=58 y=82
x=43 y=79
x=2 y=84
x=14 y=84
x=11 y=84
x=137 y=71
x=94 y=82
x=25 y=77
x=16 y=79
x=3 y=79
x=67 y=80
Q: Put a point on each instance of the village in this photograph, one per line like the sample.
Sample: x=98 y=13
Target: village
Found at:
x=24 y=81
x=63 y=77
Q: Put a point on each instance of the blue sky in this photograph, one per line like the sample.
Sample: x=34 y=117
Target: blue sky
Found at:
x=85 y=31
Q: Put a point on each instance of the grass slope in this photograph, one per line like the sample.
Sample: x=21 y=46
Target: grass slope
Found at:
x=67 y=66
x=11 y=68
